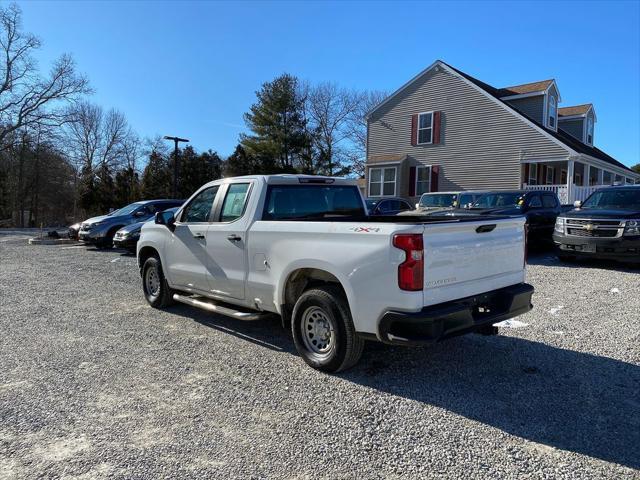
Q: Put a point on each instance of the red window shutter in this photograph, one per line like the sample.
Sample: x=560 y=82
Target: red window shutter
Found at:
x=414 y=130
x=412 y=181
x=435 y=170
x=436 y=128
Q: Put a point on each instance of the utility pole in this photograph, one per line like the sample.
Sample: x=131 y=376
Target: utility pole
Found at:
x=176 y=140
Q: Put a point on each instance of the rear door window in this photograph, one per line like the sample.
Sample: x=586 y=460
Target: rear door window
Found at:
x=234 y=202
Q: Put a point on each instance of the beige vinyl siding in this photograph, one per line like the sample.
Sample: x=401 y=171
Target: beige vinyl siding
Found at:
x=573 y=127
x=532 y=107
x=481 y=143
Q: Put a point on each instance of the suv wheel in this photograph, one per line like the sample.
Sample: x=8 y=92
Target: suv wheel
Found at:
x=154 y=284
x=323 y=330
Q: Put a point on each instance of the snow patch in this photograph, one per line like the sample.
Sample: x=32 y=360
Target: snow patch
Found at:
x=511 y=324
x=554 y=311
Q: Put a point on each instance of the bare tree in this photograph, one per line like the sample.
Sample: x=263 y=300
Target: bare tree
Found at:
x=99 y=139
x=26 y=98
x=329 y=108
x=357 y=127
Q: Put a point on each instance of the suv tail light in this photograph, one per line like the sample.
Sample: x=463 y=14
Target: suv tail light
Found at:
x=411 y=271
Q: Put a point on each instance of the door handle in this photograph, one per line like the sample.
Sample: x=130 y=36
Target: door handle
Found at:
x=234 y=238
x=199 y=236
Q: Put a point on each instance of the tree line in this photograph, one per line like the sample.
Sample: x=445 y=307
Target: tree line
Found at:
x=64 y=158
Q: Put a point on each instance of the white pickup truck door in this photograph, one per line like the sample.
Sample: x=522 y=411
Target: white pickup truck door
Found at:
x=226 y=242
x=186 y=257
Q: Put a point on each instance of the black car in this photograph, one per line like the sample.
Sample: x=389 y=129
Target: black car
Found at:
x=387 y=206
x=540 y=207
x=605 y=226
x=127 y=237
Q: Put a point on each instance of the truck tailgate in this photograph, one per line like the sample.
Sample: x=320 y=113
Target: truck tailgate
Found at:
x=468 y=258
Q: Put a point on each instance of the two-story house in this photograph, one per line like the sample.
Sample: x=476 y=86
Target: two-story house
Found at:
x=447 y=131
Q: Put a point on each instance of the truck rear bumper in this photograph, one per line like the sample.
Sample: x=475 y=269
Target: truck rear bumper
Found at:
x=450 y=319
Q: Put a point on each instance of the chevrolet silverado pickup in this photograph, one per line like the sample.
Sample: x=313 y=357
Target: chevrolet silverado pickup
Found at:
x=606 y=226
x=304 y=248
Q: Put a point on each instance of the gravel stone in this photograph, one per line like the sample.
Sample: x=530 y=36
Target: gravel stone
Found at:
x=96 y=384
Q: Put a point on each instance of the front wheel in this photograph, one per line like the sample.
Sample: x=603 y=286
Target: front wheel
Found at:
x=154 y=284
x=323 y=331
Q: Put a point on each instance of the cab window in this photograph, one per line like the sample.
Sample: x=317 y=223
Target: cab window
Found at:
x=234 y=202
x=535 y=202
x=199 y=209
x=549 y=201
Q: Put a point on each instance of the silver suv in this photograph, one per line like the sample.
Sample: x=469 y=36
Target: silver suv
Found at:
x=100 y=230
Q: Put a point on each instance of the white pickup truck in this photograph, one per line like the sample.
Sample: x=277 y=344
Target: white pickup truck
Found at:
x=303 y=247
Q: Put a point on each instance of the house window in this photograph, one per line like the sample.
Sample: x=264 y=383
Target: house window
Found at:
x=382 y=182
x=563 y=177
x=590 y=130
x=423 y=180
x=425 y=128
x=553 y=112
x=533 y=174
x=550 y=175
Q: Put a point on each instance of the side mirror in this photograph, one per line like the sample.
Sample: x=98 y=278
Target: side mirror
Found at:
x=577 y=204
x=140 y=213
x=417 y=206
x=167 y=219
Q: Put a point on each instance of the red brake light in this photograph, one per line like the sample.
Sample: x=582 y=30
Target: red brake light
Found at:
x=411 y=271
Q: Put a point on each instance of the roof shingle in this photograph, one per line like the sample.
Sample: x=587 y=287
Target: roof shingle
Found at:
x=532 y=87
x=574 y=110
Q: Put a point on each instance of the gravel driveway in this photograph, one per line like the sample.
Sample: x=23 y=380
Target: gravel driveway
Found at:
x=96 y=384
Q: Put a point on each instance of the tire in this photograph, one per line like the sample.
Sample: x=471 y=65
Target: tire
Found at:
x=107 y=241
x=156 y=291
x=316 y=311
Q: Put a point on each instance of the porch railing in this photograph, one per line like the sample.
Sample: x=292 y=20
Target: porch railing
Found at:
x=579 y=192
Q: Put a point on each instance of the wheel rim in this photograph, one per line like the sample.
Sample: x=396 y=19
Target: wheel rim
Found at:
x=318 y=332
x=152 y=281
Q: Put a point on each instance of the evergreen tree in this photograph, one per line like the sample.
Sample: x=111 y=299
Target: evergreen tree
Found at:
x=157 y=178
x=240 y=163
x=278 y=126
x=104 y=190
x=127 y=186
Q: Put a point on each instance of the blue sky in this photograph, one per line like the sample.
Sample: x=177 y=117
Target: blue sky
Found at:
x=191 y=68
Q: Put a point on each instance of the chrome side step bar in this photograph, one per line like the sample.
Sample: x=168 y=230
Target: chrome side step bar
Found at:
x=208 y=305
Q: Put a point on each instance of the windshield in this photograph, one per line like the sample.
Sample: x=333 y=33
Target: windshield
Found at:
x=442 y=200
x=614 y=199
x=125 y=210
x=500 y=200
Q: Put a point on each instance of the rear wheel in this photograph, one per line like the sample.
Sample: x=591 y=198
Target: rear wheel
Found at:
x=154 y=284
x=323 y=330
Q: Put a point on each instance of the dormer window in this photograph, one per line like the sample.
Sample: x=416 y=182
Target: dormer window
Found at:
x=590 y=130
x=553 y=112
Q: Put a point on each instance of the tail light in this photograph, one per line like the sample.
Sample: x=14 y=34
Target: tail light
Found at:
x=411 y=271
x=526 y=245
